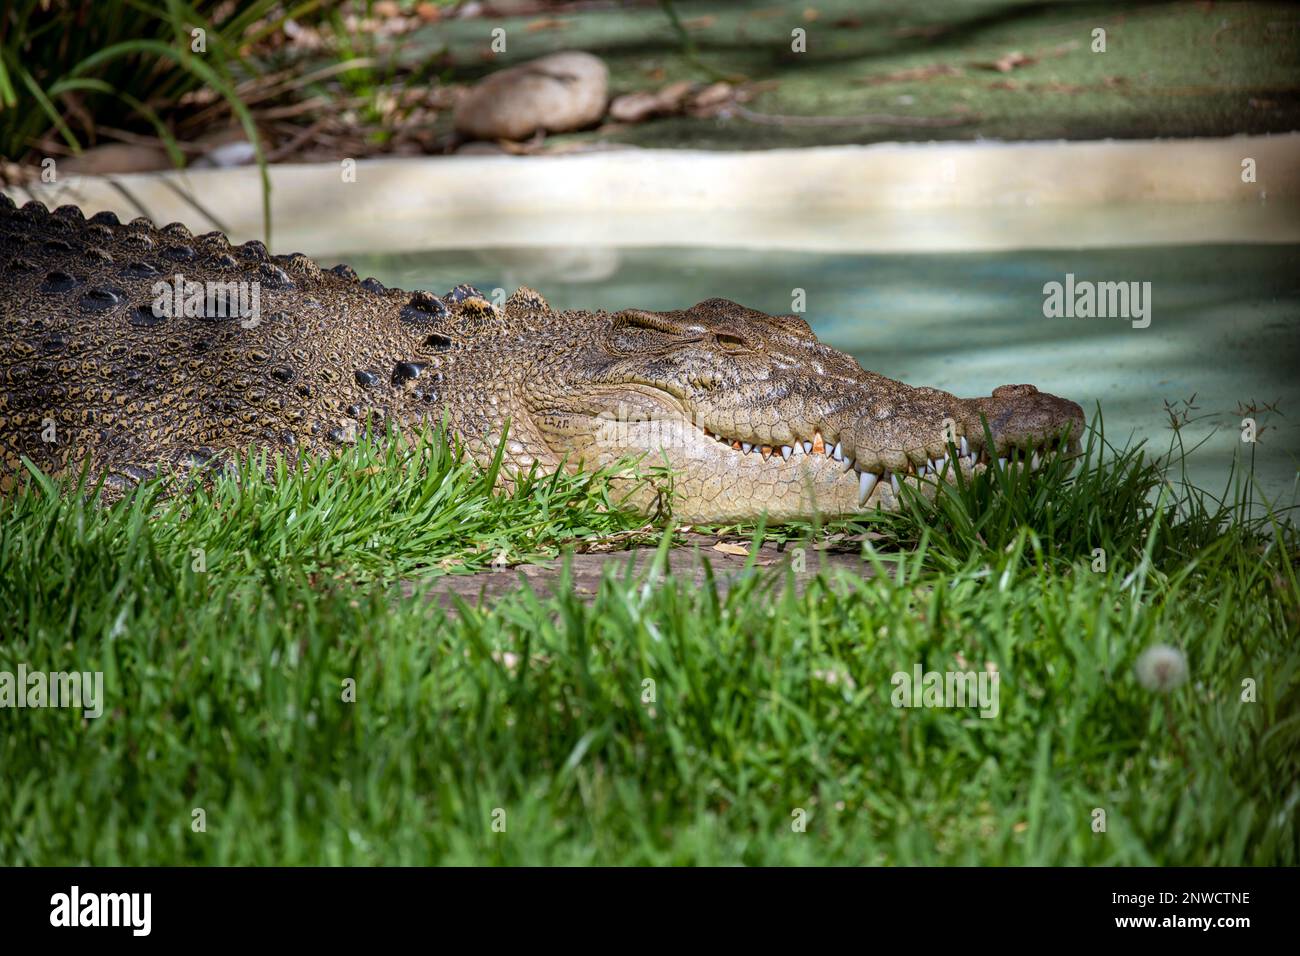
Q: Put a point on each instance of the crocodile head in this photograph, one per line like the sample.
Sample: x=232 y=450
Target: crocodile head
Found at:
x=754 y=416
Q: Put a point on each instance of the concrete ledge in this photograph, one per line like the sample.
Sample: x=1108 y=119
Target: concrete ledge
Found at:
x=885 y=197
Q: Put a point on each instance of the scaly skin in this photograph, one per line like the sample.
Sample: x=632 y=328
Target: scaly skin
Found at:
x=83 y=350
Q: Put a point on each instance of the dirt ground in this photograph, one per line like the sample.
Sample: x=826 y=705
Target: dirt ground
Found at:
x=773 y=563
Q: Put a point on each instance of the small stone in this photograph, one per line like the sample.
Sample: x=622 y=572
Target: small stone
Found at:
x=555 y=93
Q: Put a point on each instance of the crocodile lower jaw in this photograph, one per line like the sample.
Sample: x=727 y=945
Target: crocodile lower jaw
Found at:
x=873 y=482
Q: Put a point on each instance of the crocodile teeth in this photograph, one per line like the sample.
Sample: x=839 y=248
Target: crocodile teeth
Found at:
x=866 y=483
x=961 y=457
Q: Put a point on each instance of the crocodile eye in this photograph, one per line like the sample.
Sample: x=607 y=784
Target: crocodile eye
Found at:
x=638 y=332
x=631 y=340
x=731 y=340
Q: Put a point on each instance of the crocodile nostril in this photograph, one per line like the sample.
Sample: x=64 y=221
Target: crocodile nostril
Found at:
x=1014 y=391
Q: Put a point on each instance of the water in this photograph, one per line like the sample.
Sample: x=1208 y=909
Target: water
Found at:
x=1225 y=325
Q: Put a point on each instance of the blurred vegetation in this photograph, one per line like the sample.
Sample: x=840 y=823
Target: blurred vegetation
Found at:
x=98 y=63
x=77 y=73
x=85 y=63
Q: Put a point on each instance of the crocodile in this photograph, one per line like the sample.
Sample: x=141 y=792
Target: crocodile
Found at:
x=123 y=351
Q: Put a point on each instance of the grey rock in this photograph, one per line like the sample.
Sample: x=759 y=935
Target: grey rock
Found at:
x=555 y=93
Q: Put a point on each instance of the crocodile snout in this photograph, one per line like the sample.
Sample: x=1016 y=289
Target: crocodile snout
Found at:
x=1021 y=418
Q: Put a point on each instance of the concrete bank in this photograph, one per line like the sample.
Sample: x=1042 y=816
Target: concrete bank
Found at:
x=884 y=197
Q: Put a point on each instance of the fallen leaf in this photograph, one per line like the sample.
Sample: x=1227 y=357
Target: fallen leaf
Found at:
x=735 y=549
x=671 y=96
x=1009 y=61
x=641 y=105
x=915 y=73
x=926 y=32
x=633 y=107
x=713 y=95
x=549 y=23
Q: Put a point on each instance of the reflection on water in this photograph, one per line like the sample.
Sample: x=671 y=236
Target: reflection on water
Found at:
x=1225 y=324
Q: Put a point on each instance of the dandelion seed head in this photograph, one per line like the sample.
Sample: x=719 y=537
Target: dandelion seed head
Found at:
x=1161 y=668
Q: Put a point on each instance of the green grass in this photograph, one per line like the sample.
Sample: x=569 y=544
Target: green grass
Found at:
x=224 y=686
